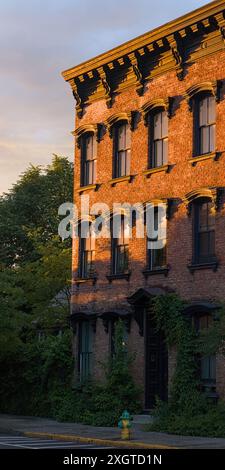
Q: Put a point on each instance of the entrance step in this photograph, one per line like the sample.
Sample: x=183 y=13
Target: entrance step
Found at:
x=142 y=419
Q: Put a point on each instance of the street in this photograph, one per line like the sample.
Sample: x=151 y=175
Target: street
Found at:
x=22 y=442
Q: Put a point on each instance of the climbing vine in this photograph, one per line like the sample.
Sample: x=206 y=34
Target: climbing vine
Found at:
x=184 y=391
x=188 y=411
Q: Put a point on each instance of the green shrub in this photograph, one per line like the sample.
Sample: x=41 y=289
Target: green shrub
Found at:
x=210 y=423
x=39 y=382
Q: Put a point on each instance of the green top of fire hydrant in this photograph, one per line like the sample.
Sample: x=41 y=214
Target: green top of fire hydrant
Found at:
x=125 y=416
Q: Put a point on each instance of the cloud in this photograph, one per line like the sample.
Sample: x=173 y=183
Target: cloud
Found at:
x=39 y=39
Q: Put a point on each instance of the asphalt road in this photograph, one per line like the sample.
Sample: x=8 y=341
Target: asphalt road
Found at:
x=21 y=442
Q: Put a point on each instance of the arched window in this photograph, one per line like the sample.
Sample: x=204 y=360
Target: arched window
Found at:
x=207 y=364
x=204 y=231
x=88 y=159
x=158 y=138
x=120 y=248
x=205 y=124
x=85 y=346
x=87 y=256
x=156 y=255
x=122 y=149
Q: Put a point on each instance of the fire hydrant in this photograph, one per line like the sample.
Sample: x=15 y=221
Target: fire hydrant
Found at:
x=125 y=425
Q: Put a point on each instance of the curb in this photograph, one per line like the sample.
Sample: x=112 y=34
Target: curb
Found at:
x=93 y=440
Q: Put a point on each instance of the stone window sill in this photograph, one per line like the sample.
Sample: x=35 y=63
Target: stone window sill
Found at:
x=113 y=277
x=213 y=265
x=153 y=272
x=90 y=187
x=159 y=169
x=201 y=158
x=85 y=280
x=115 y=181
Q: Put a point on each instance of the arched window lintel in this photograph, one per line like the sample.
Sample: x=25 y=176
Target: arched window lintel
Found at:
x=128 y=117
x=212 y=194
x=157 y=105
x=211 y=88
x=81 y=131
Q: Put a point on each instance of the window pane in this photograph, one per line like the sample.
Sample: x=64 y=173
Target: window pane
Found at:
x=212 y=131
x=212 y=243
x=204 y=140
x=213 y=368
x=157 y=258
x=205 y=368
x=123 y=235
x=164 y=124
x=85 y=348
x=211 y=216
x=122 y=259
x=203 y=216
x=165 y=151
x=90 y=172
x=128 y=136
x=94 y=171
x=121 y=137
x=121 y=163
x=128 y=152
x=211 y=109
x=89 y=147
x=203 y=112
x=203 y=246
x=158 y=153
x=157 y=126
x=208 y=368
x=89 y=243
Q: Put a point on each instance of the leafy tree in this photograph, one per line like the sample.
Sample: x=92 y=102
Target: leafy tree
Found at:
x=29 y=212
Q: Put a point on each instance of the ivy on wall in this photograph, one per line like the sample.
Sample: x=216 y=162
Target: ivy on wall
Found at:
x=168 y=312
x=188 y=411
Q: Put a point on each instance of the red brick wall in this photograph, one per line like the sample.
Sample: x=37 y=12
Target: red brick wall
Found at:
x=202 y=285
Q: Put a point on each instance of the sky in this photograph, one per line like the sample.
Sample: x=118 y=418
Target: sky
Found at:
x=38 y=40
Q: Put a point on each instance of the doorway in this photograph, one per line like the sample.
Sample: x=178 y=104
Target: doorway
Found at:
x=156 y=362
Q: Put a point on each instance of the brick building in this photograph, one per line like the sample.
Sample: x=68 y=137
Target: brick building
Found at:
x=150 y=126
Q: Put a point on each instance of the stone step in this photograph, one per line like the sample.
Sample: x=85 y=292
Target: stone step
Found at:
x=142 y=419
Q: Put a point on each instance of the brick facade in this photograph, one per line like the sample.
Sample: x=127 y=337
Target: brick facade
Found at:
x=203 y=63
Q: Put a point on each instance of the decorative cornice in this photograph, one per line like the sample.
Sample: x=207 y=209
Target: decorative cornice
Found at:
x=179 y=25
x=165 y=103
x=170 y=47
x=117 y=117
x=212 y=87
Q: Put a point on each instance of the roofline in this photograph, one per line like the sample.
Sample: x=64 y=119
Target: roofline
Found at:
x=140 y=41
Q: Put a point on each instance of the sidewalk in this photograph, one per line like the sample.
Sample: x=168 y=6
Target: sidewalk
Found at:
x=100 y=435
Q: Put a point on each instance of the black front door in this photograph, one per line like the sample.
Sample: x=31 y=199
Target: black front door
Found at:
x=156 y=363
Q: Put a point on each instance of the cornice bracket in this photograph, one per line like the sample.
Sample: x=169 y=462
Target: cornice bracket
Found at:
x=221 y=24
x=77 y=96
x=177 y=55
x=137 y=71
x=106 y=86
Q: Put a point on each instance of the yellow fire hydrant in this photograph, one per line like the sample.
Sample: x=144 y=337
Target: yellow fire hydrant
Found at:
x=125 y=425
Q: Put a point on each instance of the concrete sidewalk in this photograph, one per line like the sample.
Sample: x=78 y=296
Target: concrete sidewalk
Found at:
x=90 y=434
